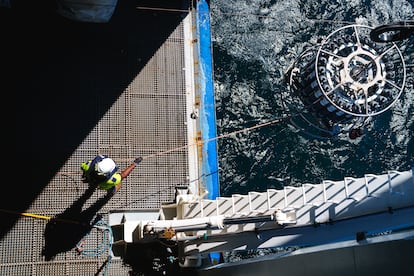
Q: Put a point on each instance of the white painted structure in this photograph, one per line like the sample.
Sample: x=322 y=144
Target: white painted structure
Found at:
x=306 y=216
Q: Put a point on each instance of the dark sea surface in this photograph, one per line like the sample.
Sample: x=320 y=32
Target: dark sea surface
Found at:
x=254 y=43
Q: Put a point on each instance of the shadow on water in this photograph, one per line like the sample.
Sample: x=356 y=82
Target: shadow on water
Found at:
x=62 y=76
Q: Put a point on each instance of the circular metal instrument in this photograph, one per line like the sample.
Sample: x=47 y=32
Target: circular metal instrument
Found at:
x=347 y=79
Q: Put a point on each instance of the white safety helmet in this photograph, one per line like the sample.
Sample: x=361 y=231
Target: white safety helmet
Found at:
x=106 y=166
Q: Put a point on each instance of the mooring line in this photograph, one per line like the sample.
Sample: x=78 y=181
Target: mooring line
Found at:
x=199 y=143
x=278 y=120
x=161 y=9
x=241 y=14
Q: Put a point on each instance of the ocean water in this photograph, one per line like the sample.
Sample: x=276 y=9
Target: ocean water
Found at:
x=254 y=43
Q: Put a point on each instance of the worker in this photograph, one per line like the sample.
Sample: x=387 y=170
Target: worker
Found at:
x=103 y=172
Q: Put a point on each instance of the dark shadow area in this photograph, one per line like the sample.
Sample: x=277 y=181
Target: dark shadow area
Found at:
x=64 y=231
x=154 y=258
x=61 y=76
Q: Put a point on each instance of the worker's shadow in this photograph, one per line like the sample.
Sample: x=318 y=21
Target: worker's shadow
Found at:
x=64 y=231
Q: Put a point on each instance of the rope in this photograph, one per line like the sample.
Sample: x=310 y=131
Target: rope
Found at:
x=106 y=229
x=161 y=9
x=104 y=246
x=278 y=120
x=241 y=14
x=40 y=216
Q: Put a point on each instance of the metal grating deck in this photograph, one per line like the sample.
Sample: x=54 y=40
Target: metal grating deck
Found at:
x=149 y=117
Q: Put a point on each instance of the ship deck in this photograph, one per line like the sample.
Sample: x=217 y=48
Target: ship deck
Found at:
x=126 y=88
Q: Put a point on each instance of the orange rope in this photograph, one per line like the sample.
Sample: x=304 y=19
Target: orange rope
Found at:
x=278 y=120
